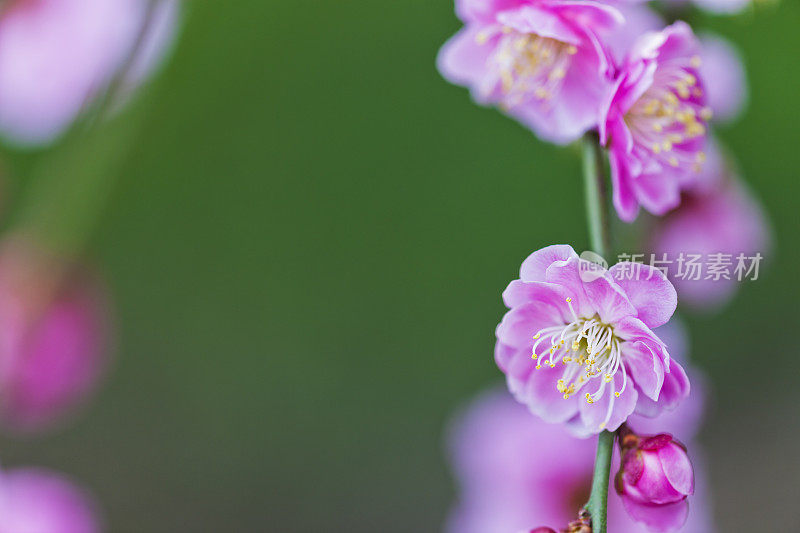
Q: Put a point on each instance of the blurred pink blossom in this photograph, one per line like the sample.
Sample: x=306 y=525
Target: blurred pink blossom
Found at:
x=719 y=215
x=56 y=55
x=724 y=77
x=34 y=500
x=54 y=338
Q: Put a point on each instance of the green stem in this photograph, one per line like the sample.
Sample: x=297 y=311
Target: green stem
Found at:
x=596 y=196
x=600 y=241
x=598 y=499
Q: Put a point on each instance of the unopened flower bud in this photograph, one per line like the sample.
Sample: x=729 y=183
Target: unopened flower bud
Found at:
x=654 y=479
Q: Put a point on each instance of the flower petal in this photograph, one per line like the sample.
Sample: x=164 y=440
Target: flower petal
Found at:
x=659 y=518
x=608 y=299
x=463 y=60
x=593 y=416
x=530 y=19
x=623 y=195
x=567 y=274
x=646 y=370
x=649 y=290
x=535 y=265
x=541 y=395
x=482 y=10
x=677 y=468
x=521 y=292
x=520 y=324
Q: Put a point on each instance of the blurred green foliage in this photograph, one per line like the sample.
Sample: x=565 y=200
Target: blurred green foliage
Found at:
x=307 y=245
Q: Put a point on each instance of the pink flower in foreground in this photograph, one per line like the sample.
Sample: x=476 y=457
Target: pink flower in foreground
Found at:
x=513 y=471
x=717 y=216
x=56 y=55
x=53 y=343
x=654 y=122
x=38 y=501
x=654 y=480
x=579 y=349
x=539 y=60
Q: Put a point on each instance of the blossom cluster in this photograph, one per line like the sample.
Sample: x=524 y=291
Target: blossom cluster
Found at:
x=563 y=68
x=588 y=348
x=59 y=59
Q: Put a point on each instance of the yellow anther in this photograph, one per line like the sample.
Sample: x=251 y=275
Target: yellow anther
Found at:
x=538 y=367
x=536 y=336
x=696 y=61
x=602 y=425
x=616 y=394
x=572 y=50
x=671 y=99
x=607 y=378
x=534 y=356
x=656 y=148
x=569 y=300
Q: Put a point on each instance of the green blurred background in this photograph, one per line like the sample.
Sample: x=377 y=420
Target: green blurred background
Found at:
x=306 y=247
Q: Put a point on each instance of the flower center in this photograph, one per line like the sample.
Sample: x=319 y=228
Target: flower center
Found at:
x=589 y=350
x=530 y=66
x=671 y=114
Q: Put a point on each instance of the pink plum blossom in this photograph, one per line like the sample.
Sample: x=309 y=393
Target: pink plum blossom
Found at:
x=654 y=122
x=34 y=500
x=541 y=61
x=56 y=55
x=654 y=479
x=54 y=338
x=514 y=471
x=719 y=215
x=579 y=349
